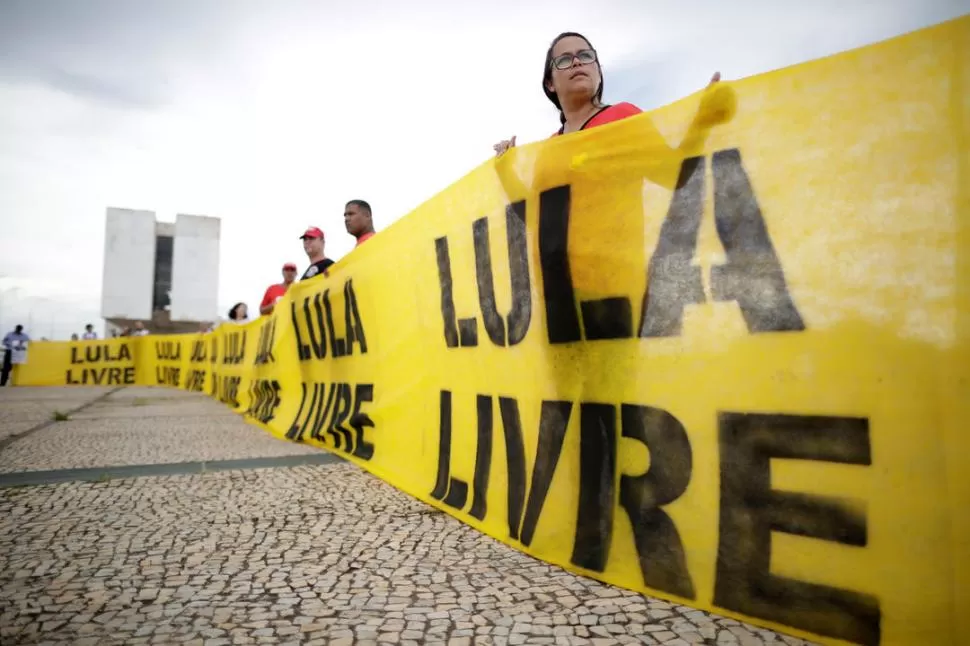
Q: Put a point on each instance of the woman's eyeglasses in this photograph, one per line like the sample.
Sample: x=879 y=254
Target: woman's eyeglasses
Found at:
x=565 y=61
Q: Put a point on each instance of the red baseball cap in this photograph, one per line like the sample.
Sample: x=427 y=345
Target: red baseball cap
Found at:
x=289 y=265
x=312 y=232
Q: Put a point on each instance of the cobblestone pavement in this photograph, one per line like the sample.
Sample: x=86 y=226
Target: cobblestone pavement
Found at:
x=23 y=408
x=301 y=555
x=130 y=426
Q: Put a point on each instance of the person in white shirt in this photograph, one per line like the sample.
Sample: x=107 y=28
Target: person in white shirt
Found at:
x=89 y=333
x=14 y=347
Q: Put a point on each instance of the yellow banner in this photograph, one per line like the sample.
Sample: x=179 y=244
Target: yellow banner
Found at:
x=717 y=353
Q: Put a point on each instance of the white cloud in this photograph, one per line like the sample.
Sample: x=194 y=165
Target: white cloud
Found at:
x=271 y=116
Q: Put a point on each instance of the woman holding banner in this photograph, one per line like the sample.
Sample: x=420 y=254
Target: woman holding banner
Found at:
x=587 y=196
x=573 y=81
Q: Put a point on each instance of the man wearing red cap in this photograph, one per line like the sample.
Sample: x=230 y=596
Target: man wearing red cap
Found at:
x=275 y=292
x=313 y=246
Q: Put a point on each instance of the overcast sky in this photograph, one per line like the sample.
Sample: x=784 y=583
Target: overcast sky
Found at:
x=272 y=114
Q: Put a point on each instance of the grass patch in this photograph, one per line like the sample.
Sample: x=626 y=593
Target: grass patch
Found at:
x=58 y=416
x=139 y=401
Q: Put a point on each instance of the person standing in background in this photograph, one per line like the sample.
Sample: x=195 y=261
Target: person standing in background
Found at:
x=313 y=246
x=275 y=292
x=14 y=352
x=359 y=220
x=239 y=313
x=89 y=333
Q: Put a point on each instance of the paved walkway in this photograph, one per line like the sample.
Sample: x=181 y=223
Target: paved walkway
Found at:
x=307 y=554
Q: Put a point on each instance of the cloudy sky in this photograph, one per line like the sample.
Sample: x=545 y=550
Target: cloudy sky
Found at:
x=271 y=114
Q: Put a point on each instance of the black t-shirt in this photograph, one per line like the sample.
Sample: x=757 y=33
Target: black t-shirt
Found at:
x=316 y=268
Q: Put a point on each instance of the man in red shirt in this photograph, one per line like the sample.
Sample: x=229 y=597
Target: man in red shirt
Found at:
x=275 y=292
x=358 y=220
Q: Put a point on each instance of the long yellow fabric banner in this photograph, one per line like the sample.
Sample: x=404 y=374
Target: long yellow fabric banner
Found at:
x=717 y=353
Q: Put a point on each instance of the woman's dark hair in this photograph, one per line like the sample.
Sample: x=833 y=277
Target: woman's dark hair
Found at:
x=232 y=311
x=547 y=73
